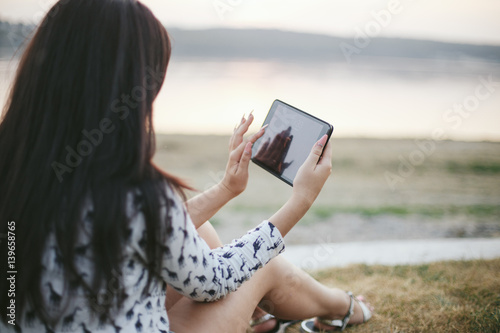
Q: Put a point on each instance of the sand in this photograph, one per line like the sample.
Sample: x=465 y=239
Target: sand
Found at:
x=378 y=190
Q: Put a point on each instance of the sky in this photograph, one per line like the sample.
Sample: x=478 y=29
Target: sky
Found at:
x=445 y=20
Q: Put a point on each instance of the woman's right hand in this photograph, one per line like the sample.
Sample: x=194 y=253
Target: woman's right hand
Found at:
x=313 y=174
x=308 y=182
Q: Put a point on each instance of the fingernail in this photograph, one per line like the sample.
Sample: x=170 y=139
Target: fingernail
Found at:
x=251 y=114
x=248 y=148
x=264 y=127
x=322 y=141
x=243 y=118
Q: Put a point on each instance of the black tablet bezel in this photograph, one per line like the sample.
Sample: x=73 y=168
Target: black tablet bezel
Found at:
x=326 y=129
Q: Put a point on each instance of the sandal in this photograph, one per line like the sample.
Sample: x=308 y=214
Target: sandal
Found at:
x=279 y=327
x=263 y=319
x=308 y=326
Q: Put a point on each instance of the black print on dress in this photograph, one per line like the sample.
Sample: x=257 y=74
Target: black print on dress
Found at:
x=275 y=245
x=228 y=255
x=272 y=227
x=166 y=252
x=54 y=298
x=241 y=244
x=184 y=231
x=187 y=281
x=149 y=307
x=138 y=283
x=179 y=290
x=181 y=261
x=171 y=274
x=131 y=264
x=194 y=293
x=229 y=273
x=117 y=328
x=138 y=324
x=256 y=267
x=215 y=279
x=201 y=278
x=256 y=246
x=130 y=313
x=205 y=262
x=69 y=320
x=211 y=292
x=160 y=330
x=243 y=263
x=194 y=259
x=84 y=328
x=57 y=257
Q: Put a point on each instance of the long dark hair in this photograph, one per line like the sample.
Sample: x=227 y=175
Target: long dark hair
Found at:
x=78 y=124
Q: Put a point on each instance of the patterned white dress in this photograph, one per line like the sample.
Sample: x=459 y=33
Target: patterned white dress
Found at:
x=189 y=266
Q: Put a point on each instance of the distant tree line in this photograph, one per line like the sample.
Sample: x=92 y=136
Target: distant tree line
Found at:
x=277 y=44
x=12 y=35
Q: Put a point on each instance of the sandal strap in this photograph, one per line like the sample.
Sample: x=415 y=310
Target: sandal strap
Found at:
x=342 y=324
x=367 y=314
x=260 y=320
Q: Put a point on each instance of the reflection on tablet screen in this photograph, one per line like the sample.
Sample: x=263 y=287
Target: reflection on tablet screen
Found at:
x=287 y=142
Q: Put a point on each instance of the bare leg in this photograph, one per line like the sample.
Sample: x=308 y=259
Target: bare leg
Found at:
x=209 y=235
x=281 y=289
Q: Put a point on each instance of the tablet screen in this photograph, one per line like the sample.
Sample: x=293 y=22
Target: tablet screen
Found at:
x=289 y=137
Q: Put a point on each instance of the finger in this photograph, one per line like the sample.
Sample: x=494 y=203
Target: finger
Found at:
x=245 y=124
x=259 y=134
x=245 y=159
x=316 y=151
x=240 y=131
x=326 y=158
x=235 y=155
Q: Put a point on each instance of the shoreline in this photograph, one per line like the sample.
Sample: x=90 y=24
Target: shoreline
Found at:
x=165 y=135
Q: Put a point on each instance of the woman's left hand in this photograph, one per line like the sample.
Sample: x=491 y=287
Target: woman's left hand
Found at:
x=240 y=151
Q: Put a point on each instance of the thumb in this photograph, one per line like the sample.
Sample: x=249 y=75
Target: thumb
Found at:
x=316 y=151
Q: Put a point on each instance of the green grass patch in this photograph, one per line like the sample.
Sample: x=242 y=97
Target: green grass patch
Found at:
x=452 y=296
x=325 y=212
x=476 y=167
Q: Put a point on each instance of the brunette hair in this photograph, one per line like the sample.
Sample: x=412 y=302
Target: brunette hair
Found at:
x=78 y=124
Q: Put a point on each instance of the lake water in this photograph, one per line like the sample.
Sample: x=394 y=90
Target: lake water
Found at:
x=381 y=98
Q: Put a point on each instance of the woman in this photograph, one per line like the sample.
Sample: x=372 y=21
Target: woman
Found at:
x=98 y=231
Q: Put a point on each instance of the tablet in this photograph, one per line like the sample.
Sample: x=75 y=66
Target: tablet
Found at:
x=288 y=140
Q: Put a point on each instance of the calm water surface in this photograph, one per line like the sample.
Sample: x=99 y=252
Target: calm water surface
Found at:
x=372 y=98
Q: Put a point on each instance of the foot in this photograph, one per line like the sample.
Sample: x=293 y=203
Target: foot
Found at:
x=263 y=322
x=360 y=312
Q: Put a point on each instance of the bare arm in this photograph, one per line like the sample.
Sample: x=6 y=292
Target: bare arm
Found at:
x=306 y=187
x=203 y=206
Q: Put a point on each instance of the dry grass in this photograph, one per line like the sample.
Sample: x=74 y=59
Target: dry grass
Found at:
x=456 y=296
